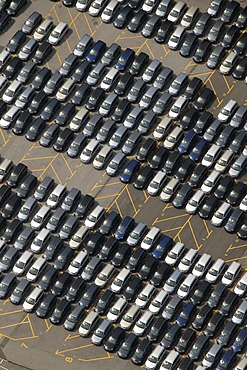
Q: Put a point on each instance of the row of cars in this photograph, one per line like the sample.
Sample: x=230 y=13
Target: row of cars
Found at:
x=149 y=322
x=8 y=9
x=161 y=26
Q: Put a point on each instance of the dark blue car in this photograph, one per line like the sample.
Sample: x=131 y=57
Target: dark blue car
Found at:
x=96 y=51
x=124 y=228
x=163 y=247
x=199 y=150
x=241 y=341
x=186 y=314
x=187 y=142
x=129 y=171
x=227 y=360
x=125 y=60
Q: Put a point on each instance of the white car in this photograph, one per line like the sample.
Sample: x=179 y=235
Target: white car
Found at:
x=187 y=262
x=77 y=263
x=158 y=302
x=210 y=182
x=96 y=7
x=117 y=309
x=243 y=204
x=186 y=286
x=231 y=273
x=143 y=323
x=175 y=254
x=145 y=295
x=195 y=201
x=156 y=183
x=32 y=299
x=215 y=270
x=93 y=218
x=221 y=214
x=202 y=265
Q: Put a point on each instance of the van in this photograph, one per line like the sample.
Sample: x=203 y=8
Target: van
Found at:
x=176 y=12
x=37 y=267
x=22 y=263
x=109 y=11
x=79 y=120
x=189 y=17
x=188 y=260
x=215 y=57
x=158 y=302
x=155 y=357
x=12 y=91
x=108 y=104
x=238 y=166
x=221 y=214
x=134 y=117
x=110 y=79
x=115 y=164
x=156 y=183
x=231 y=273
x=187 y=286
x=241 y=287
x=80 y=235
x=202 y=265
x=24 y=239
x=215 y=31
x=149 y=97
x=130 y=317
x=91 y=268
x=162 y=129
x=147 y=122
x=239 y=117
x=5 y=56
x=131 y=142
x=58 y=33
x=175 y=254
x=77 y=263
x=89 y=151
x=171 y=307
x=171 y=361
x=151 y=72
x=42 y=31
x=68 y=65
x=143 y=323
x=41 y=217
x=242 y=364
x=176 y=37
x=228 y=111
x=118 y=137
x=71 y=199
x=224 y=160
x=120 y=280
x=178 y=84
x=150 y=238
x=178 y=107
x=44 y=188
x=145 y=295
x=240 y=313
x=105 y=275
x=212 y=355
x=94 y=217
x=65 y=90
x=27 y=209
x=101 y=332
x=5 y=168
x=84 y=44
x=102 y=157
x=215 y=270
x=32 y=299
x=40 y=240
x=173 y=281
x=211 y=155
x=117 y=309
x=88 y=324
x=56 y=195
x=169 y=190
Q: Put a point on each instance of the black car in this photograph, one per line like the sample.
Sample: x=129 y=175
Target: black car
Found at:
x=63 y=258
x=53 y=83
x=241 y=46
x=94 y=242
x=74 y=318
x=136 y=259
x=105 y=301
x=123 y=17
x=159 y=158
x=84 y=206
x=124 y=84
x=217 y=295
x=8 y=259
x=142 y=352
x=121 y=255
x=242 y=232
x=202 y=51
x=7 y=285
x=229 y=304
x=95 y=99
x=199 y=347
x=16 y=42
x=193 y=88
x=12 y=206
x=133 y=287
x=138 y=21
x=65 y=114
x=182 y=196
x=227 y=334
x=4 y=4
x=151 y=27
x=230 y=12
x=53 y=247
x=20 y=292
x=46 y=305
x=226 y=136
x=144 y=177
x=237 y=193
x=186 y=364
x=186 y=341
x=157 y=329
x=230 y=37
x=115 y=339
x=204 y=100
x=16 y=175
x=203 y=122
x=49 y=135
x=81 y=94
x=27 y=185
x=188 y=44
x=214 y=325
x=22 y=123
x=50 y=109
x=5 y=193
x=15 y=6
x=5 y=19
x=238 y=142
x=185 y=170
x=171 y=337
x=189 y=118
x=109 y=224
x=13 y=67
x=224 y=187
x=107 y=248
x=128 y=346
x=62 y=283
x=240 y=70
x=201 y=293
x=161 y=274
x=36 y=129
x=148 y=268
x=63 y=140
x=82 y=70
x=122 y=110
x=12 y=230
x=38 y=102
x=164 y=32
x=3 y=108
x=209 y=206
x=139 y=64
x=31 y=23
x=146 y=149
x=75 y=289
x=41 y=54
x=89 y=296
x=60 y=312
x=235 y=220
x=202 y=317
x=172 y=162
x=48 y=278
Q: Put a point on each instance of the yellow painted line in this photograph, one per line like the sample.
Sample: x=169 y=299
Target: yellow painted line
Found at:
x=71 y=337
x=164 y=48
x=24 y=345
x=128 y=37
x=212 y=87
x=119 y=210
x=119 y=195
x=201 y=74
x=40 y=176
x=131 y=199
x=172 y=229
x=152 y=54
x=58 y=352
x=38 y=158
x=88 y=24
x=10 y=312
x=73 y=22
x=238 y=247
x=16 y=339
x=4 y=140
x=106 y=196
x=48 y=325
x=172 y=218
x=56 y=174
x=167 y=206
x=97 y=185
x=30 y=324
x=95 y=359
x=227 y=84
x=145 y=195
x=12 y=325
x=182 y=227
x=194 y=236
x=67 y=164
x=58 y=19
x=206 y=227
x=140 y=47
x=37 y=147
x=236 y=259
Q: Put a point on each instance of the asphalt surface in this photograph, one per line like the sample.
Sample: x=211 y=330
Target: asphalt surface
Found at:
x=34 y=343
